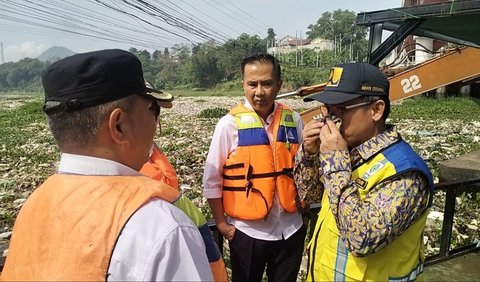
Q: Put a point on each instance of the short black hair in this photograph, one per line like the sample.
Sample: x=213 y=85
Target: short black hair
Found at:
x=263 y=57
x=384 y=98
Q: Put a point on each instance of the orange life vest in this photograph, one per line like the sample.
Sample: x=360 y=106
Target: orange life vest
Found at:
x=159 y=168
x=258 y=168
x=69 y=226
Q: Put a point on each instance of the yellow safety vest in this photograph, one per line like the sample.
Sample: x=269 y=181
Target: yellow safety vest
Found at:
x=401 y=260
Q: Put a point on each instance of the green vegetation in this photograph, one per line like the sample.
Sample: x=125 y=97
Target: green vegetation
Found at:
x=464 y=109
x=15 y=127
x=205 y=93
x=449 y=122
x=213 y=113
x=437 y=129
x=211 y=66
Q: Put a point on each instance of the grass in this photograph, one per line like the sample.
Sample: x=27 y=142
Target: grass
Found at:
x=213 y=113
x=205 y=93
x=464 y=109
x=28 y=153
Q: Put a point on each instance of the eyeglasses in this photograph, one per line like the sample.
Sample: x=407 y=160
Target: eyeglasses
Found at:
x=344 y=108
x=155 y=109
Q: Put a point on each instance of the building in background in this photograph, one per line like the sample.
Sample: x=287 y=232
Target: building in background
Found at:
x=290 y=44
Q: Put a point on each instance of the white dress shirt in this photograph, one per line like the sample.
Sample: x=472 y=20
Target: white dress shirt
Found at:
x=158 y=243
x=279 y=224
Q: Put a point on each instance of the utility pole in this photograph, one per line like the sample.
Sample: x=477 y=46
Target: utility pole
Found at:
x=335 y=45
x=301 y=50
x=340 y=40
x=1 y=47
x=351 y=51
x=296 y=48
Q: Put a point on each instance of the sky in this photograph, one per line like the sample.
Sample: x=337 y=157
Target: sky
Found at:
x=29 y=27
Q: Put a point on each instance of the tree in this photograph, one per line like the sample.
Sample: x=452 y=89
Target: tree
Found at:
x=323 y=28
x=339 y=26
x=233 y=51
x=157 y=55
x=181 y=52
x=24 y=74
x=205 y=71
x=270 y=37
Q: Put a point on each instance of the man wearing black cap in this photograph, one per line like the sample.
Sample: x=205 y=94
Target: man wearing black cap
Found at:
x=375 y=190
x=97 y=218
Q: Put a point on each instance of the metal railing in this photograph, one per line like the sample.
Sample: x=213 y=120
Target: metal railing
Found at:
x=452 y=189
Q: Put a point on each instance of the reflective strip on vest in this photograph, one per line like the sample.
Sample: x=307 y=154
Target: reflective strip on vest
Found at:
x=258 y=169
x=409 y=277
x=402 y=259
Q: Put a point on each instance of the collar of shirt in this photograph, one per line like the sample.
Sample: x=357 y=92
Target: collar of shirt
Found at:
x=374 y=145
x=85 y=165
x=270 y=116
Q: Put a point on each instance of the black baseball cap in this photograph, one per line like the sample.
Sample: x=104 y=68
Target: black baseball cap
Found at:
x=93 y=78
x=349 y=81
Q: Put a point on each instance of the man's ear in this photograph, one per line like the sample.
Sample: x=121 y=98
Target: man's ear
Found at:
x=117 y=125
x=377 y=110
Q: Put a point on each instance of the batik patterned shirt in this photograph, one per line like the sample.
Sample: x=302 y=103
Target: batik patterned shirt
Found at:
x=390 y=207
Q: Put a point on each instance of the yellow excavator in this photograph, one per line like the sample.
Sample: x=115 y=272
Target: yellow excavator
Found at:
x=453 y=66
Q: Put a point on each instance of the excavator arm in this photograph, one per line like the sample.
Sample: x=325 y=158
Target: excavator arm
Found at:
x=457 y=65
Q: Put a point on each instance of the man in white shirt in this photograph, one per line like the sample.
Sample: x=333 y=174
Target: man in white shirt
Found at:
x=97 y=218
x=248 y=177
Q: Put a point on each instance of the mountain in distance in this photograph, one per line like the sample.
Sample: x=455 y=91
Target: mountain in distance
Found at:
x=55 y=52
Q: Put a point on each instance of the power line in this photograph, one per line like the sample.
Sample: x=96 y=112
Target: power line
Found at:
x=234 y=12
x=305 y=9
x=212 y=18
x=152 y=10
x=79 y=19
x=147 y=29
x=188 y=17
x=229 y=15
x=72 y=22
x=248 y=14
x=143 y=20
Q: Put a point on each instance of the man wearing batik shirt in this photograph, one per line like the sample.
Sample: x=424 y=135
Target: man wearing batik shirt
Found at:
x=375 y=190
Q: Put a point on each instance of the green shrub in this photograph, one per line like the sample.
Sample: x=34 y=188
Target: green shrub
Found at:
x=229 y=86
x=213 y=113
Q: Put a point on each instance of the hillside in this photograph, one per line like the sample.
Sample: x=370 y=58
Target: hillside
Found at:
x=58 y=52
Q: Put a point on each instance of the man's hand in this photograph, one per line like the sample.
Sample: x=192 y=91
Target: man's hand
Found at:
x=227 y=230
x=330 y=138
x=311 y=136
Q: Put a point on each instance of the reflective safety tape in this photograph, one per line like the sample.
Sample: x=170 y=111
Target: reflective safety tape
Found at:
x=409 y=277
